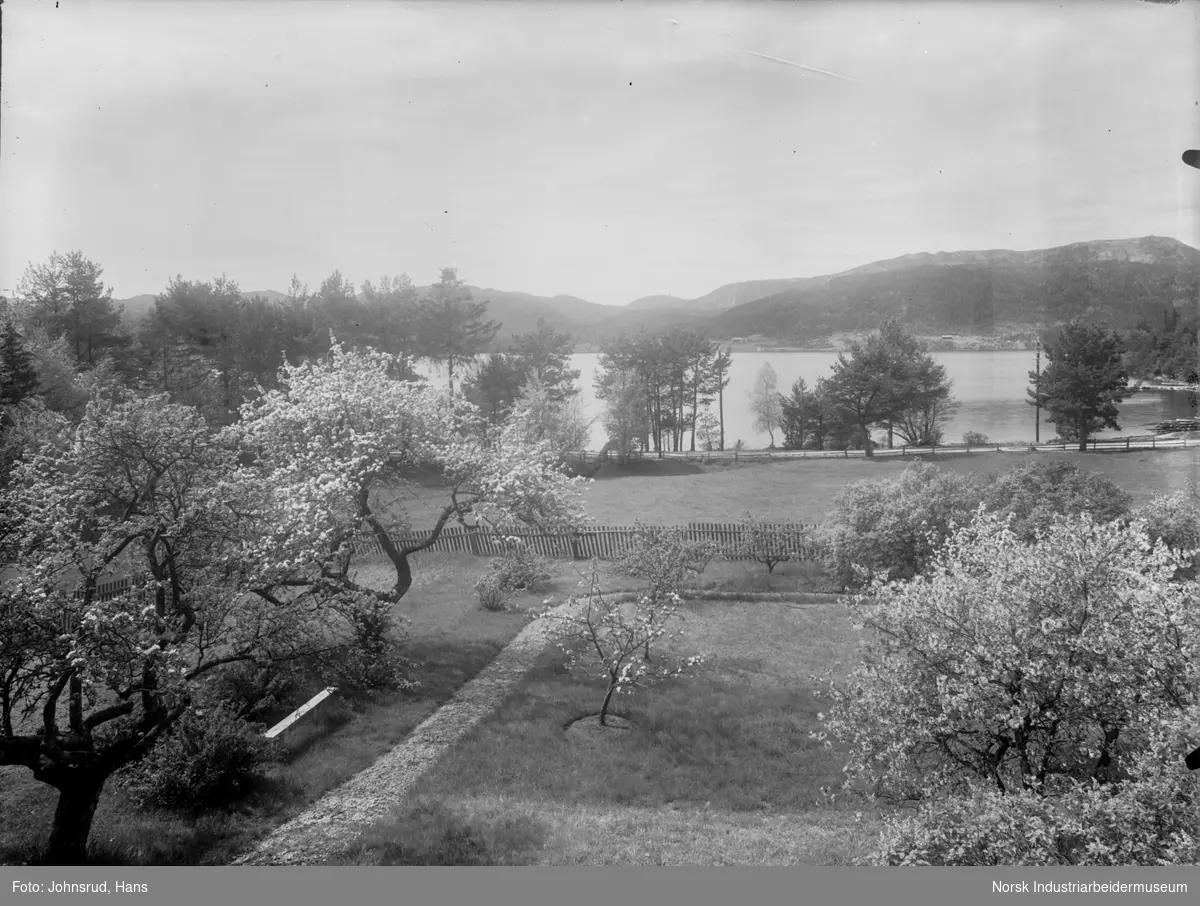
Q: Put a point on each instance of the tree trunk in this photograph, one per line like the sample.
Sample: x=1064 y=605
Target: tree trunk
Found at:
x=721 y=410
x=867 y=441
x=695 y=405
x=77 y=801
x=1082 y=435
x=604 y=707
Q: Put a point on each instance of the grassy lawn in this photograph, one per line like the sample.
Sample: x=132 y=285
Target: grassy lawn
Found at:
x=716 y=769
x=674 y=493
x=452 y=638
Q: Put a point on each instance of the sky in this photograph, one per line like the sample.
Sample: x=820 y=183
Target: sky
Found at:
x=605 y=150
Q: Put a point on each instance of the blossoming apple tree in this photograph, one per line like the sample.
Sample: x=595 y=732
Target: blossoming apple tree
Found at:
x=342 y=446
x=89 y=682
x=1020 y=664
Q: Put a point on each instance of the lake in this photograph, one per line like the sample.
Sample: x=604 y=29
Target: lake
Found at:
x=990 y=388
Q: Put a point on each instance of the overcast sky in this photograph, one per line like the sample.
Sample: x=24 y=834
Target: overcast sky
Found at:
x=594 y=149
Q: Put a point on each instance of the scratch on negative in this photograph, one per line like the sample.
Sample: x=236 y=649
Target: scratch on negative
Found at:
x=802 y=66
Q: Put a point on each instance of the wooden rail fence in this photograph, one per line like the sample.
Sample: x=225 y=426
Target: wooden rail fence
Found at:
x=1110 y=445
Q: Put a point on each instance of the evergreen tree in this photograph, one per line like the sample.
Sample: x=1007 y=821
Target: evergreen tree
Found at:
x=545 y=354
x=1083 y=382
x=67 y=297
x=450 y=328
x=18 y=377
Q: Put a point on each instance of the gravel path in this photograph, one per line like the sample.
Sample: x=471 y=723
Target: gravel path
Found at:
x=341 y=815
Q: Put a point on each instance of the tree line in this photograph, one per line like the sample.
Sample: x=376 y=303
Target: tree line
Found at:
x=890 y=382
x=658 y=390
x=205 y=343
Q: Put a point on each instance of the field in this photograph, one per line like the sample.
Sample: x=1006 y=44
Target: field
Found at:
x=677 y=492
x=716 y=769
x=672 y=493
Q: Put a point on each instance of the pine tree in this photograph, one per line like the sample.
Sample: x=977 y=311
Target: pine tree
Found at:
x=18 y=377
x=451 y=329
x=1083 y=382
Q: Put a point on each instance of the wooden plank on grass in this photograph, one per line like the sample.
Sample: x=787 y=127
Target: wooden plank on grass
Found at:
x=300 y=712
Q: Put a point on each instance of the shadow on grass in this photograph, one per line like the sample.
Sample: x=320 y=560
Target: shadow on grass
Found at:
x=431 y=834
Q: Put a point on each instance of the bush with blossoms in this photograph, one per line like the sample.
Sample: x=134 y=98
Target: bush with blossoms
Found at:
x=895 y=525
x=1175 y=518
x=1033 y=700
x=898 y=524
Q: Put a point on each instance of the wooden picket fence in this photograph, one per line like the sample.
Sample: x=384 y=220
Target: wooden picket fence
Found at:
x=602 y=542
x=110 y=588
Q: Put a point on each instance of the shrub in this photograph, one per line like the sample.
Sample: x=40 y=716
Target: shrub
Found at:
x=209 y=758
x=373 y=659
x=1026 y=667
x=895 y=525
x=490 y=592
x=519 y=569
x=1175 y=519
x=664 y=557
x=1151 y=818
x=974 y=439
x=762 y=543
x=250 y=689
x=1037 y=490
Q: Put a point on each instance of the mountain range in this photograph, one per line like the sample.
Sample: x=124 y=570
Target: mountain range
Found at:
x=987 y=292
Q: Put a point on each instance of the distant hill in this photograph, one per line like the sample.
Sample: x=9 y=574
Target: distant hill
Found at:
x=721 y=298
x=136 y=306
x=269 y=294
x=658 y=302
x=1146 y=250
x=1116 y=282
x=519 y=312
